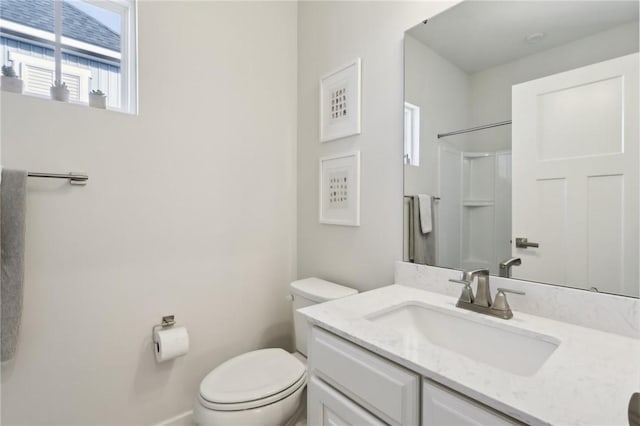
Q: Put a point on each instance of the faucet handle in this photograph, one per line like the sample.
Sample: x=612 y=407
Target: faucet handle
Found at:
x=500 y=302
x=467 y=293
x=506 y=290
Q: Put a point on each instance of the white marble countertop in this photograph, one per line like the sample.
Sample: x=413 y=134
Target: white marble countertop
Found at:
x=588 y=380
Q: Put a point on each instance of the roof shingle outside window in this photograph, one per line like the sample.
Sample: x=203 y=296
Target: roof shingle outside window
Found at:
x=76 y=24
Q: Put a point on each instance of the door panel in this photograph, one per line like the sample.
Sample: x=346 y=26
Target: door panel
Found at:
x=562 y=115
x=605 y=230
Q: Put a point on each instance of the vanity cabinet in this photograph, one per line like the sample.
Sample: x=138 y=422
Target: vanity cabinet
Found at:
x=348 y=382
x=349 y=385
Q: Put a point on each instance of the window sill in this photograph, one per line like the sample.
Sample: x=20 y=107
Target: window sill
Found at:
x=76 y=103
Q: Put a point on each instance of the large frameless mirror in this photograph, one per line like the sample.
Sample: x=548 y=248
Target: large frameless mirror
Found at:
x=521 y=142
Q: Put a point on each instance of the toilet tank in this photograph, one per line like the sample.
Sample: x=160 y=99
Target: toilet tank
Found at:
x=310 y=291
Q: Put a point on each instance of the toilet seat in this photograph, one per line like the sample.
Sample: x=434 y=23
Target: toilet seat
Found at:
x=240 y=406
x=252 y=380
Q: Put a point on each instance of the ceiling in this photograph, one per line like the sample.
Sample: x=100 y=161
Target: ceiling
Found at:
x=478 y=34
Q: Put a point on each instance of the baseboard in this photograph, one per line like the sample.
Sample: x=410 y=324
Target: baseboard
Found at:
x=184 y=419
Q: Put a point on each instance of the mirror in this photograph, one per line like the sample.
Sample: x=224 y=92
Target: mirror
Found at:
x=521 y=142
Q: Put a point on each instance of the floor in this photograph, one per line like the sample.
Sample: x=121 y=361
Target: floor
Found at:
x=188 y=421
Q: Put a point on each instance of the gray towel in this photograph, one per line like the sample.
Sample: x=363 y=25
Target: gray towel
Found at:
x=424 y=245
x=12 y=230
x=410 y=230
x=634 y=410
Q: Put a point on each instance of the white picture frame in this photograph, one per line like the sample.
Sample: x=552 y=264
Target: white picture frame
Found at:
x=340 y=102
x=339 y=191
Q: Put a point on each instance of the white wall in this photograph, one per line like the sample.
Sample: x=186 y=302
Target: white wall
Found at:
x=189 y=210
x=329 y=35
x=441 y=90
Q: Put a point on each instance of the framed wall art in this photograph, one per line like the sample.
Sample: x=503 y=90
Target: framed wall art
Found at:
x=340 y=102
x=340 y=189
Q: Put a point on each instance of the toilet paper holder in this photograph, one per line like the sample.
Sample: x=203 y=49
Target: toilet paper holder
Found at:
x=167 y=321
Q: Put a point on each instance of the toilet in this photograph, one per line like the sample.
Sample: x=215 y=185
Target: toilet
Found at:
x=266 y=386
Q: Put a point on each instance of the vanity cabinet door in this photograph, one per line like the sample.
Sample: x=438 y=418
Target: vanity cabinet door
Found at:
x=328 y=407
x=442 y=407
x=385 y=389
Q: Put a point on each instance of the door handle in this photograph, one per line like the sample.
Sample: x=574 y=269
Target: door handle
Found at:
x=524 y=243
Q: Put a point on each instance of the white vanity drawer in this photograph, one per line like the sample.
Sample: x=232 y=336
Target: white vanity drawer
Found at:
x=442 y=406
x=385 y=389
x=327 y=406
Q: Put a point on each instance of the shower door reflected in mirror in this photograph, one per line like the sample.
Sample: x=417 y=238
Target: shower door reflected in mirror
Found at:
x=525 y=152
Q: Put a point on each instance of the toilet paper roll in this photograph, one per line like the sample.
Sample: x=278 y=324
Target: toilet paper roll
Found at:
x=171 y=343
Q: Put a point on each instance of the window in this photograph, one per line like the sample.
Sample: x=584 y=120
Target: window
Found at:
x=88 y=44
x=411 y=134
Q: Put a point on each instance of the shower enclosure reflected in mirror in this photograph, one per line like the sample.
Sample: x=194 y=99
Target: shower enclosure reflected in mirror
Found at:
x=521 y=142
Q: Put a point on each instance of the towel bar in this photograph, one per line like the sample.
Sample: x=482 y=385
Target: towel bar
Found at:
x=411 y=196
x=74 y=178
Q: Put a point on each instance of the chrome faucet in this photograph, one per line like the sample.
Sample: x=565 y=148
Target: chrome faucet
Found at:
x=505 y=266
x=481 y=302
x=483 y=293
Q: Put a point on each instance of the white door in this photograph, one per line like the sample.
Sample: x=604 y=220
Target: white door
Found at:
x=575 y=176
x=328 y=407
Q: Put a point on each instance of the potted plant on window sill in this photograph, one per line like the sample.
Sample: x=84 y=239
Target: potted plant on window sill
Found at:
x=59 y=91
x=98 y=99
x=10 y=81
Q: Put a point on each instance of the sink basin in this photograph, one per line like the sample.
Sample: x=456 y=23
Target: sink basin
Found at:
x=502 y=346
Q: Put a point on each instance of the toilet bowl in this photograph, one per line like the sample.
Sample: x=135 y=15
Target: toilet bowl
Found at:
x=266 y=386
x=263 y=387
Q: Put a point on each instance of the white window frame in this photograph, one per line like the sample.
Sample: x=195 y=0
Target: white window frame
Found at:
x=411 y=134
x=127 y=9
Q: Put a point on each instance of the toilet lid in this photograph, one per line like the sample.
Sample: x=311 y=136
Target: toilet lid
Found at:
x=252 y=376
